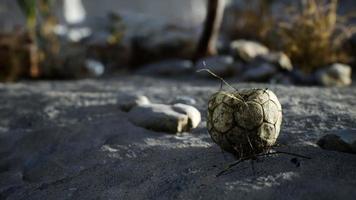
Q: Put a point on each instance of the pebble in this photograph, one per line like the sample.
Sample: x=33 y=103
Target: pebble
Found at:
x=259 y=73
x=184 y=100
x=335 y=75
x=247 y=50
x=127 y=102
x=342 y=140
x=279 y=59
x=159 y=118
x=94 y=68
x=193 y=114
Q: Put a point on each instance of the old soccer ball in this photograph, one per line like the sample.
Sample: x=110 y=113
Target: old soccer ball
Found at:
x=246 y=122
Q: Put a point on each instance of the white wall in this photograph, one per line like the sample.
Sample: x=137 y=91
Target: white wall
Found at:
x=185 y=12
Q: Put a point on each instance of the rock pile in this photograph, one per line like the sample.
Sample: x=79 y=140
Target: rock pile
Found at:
x=165 y=50
x=252 y=61
x=162 y=49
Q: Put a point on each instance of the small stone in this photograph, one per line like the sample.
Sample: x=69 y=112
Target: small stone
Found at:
x=220 y=65
x=247 y=50
x=168 y=67
x=77 y=34
x=160 y=118
x=193 y=114
x=279 y=59
x=335 y=75
x=184 y=100
x=260 y=73
x=343 y=141
x=127 y=102
x=94 y=68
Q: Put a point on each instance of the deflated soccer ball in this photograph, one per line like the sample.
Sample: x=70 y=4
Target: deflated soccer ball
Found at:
x=246 y=122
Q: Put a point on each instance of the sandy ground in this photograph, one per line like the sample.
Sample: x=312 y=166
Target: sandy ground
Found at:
x=68 y=140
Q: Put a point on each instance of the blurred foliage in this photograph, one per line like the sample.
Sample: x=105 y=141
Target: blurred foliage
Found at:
x=314 y=35
x=48 y=42
x=311 y=33
x=14 y=54
x=252 y=20
x=116 y=28
x=28 y=7
x=36 y=54
x=112 y=52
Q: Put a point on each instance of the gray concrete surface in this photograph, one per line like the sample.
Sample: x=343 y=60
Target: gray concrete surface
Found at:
x=69 y=140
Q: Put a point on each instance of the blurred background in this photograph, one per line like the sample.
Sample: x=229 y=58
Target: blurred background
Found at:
x=308 y=42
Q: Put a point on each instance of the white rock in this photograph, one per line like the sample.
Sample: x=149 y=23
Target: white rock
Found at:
x=184 y=100
x=127 y=102
x=335 y=75
x=94 y=67
x=247 y=50
x=278 y=59
x=159 y=117
x=193 y=114
x=260 y=73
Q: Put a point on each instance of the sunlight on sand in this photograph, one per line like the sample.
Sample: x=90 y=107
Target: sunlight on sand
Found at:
x=179 y=142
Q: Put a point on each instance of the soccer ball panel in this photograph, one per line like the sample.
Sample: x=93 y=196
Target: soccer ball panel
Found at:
x=222 y=118
x=249 y=115
x=270 y=111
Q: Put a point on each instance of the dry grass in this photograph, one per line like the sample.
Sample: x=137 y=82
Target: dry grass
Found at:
x=253 y=20
x=44 y=44
x=15 y=56
x=311 y=33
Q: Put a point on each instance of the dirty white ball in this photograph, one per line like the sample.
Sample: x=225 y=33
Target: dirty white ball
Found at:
x=246 y=122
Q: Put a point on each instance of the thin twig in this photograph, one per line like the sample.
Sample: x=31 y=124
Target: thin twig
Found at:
x=230 y=166
x=259 y=155
x=249 y=141
x=293 y=154
x=216 y=76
